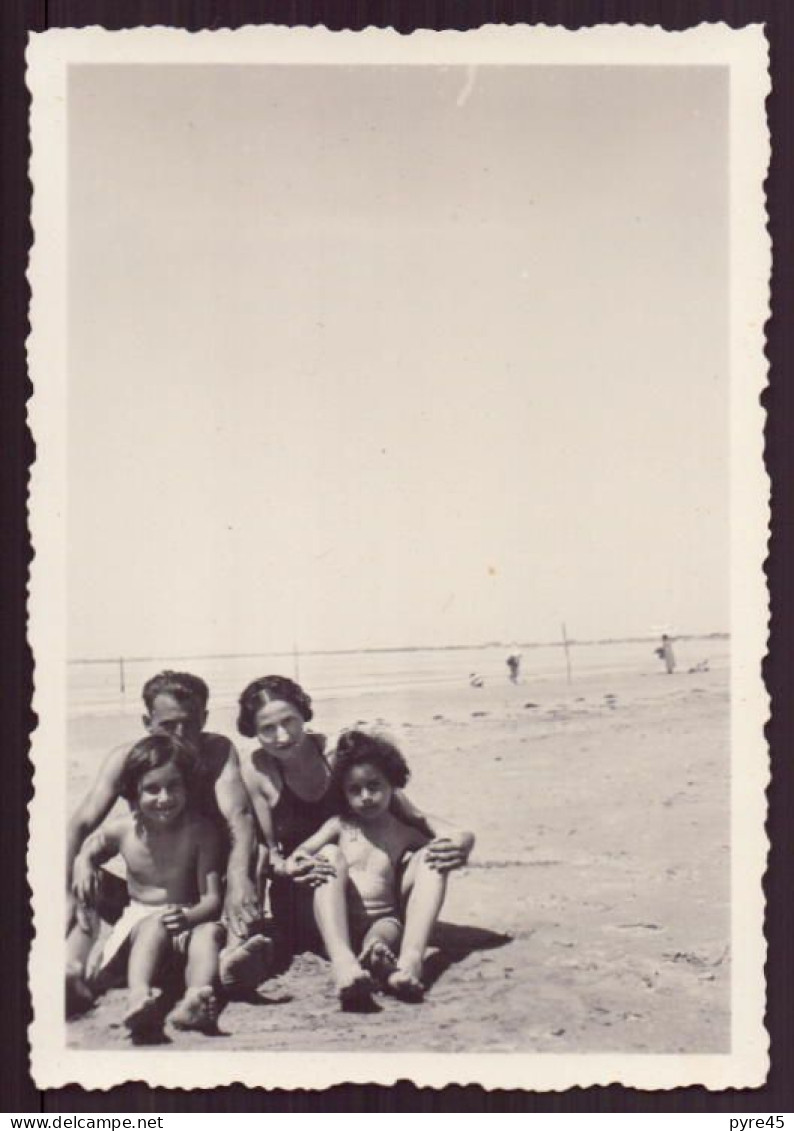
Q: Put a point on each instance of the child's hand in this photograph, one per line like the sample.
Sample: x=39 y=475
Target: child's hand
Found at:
x=445 y=855
x=175 y=921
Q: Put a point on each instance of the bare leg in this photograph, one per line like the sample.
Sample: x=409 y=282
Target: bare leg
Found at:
x=246 y=961
x=79 y=996
x=425 y=888
x=330 y=912
x=202 y=955
x=199 y=1008
x=379 y=949
x=149 y=945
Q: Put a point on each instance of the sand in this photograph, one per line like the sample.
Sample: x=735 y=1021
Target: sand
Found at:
x=594 y=913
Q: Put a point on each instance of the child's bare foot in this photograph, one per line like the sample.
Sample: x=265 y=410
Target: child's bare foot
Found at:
x=245 y=966
x=354 y=987
x=379 y=960
x=405 y=985
x=198 y=1011
x=406 y=981
x=144 y=1018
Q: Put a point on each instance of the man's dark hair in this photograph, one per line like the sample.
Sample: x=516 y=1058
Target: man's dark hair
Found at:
x=182 y=685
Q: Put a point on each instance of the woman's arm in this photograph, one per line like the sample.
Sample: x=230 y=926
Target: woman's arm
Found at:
x=306 y=868
x=328 y=834
x=449 y=847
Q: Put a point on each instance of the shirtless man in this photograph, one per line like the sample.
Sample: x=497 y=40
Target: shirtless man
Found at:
x=176 y=704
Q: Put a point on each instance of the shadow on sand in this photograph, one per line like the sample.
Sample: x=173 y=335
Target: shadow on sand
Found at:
x=450 y=944
x=454 y=942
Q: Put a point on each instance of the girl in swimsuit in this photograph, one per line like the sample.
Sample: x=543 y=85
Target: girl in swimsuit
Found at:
x=289 y=780
x=372 y=848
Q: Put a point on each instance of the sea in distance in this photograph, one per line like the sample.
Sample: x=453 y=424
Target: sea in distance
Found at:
x=112 y=686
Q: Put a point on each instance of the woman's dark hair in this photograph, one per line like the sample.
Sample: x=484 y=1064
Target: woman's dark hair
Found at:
x=181 y=685
x=356 y=748
x=150 y=754
x=265 y=690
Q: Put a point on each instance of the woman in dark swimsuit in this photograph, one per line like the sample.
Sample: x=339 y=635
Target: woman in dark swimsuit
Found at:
x=288 y=778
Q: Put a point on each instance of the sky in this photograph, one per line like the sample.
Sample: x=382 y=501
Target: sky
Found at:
x=384 y=356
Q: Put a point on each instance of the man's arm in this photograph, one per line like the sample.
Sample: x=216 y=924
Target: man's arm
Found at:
x=232 y=798
x=93 y=809
x=101 y=845
x=263 y=814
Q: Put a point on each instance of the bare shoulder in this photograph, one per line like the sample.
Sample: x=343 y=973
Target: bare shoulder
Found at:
x=260 y=773
x=120 y=828
x=218 y=752
x=404 y=809
x=334 y=827
x=411 y=837
x=217 y=745
x=114 y=761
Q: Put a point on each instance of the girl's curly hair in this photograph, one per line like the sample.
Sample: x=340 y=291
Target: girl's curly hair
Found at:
x=357 y=748
x=150 y=754
x=265 y=690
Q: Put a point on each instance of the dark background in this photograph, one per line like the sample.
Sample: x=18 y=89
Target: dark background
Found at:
x=17 y=1092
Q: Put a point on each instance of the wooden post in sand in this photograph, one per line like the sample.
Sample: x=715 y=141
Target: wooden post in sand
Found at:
x=567 y=655
x=121 y=676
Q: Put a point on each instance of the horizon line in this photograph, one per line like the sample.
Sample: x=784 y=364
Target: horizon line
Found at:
x=279 y=653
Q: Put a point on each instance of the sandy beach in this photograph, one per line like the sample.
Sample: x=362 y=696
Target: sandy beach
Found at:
x=594 y=913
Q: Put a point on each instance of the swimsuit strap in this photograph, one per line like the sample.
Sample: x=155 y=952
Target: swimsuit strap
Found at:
x=295 y=818
x=318 y=742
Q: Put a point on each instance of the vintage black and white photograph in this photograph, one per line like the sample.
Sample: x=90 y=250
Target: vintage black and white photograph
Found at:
x=399 y=515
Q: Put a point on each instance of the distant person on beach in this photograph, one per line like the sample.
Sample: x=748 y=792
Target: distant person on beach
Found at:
x=289 y=780
x=372 y=852
x=176 y=704
x=513 y=666
x=174 y=858
x=665 y=653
